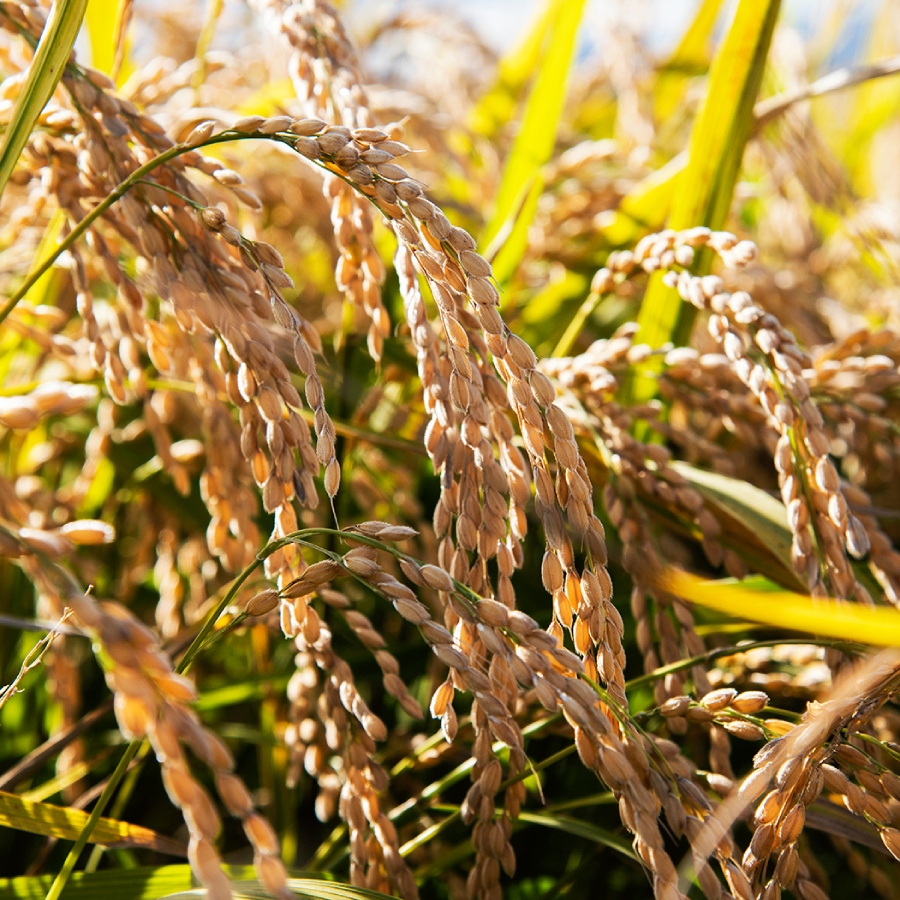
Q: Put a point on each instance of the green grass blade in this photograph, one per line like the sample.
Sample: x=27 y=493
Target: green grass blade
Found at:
x=537 y=137
x=690 y=58
x=496 y=108
x=46 y=70
x=172 y=882
x=582 y=829
x=136 y=884
x=645 y=207
x=100 y=18
x=705 y=190
x=330 y=890
x=750 y=518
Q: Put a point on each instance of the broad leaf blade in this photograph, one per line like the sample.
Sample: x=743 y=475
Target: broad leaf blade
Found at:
x=754 y=520
x=718 y=139
x=580 y=828
x=66 y=823
x=690 y=58
x=783 y=609
x=100 y=19
x=172 y=882
x=46 y=70
x=536 y=139
x=496 y=107
x=645 y=207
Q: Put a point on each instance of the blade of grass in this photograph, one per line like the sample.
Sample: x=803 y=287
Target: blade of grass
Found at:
x=496 y=107
x=705 y=189
x=580 y=828
x=66 y=823
x=137 y=884
x=690 y=58
x=103 y=18
x=68 y=866
x=60 y=782
x=752 y=517
x=537 y=137
x=210 y=20
x=46 y=69
x=41 y=292
x=645 y=207
x=783 y=609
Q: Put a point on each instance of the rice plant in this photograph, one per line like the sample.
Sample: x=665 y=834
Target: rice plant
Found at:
x=435 y=472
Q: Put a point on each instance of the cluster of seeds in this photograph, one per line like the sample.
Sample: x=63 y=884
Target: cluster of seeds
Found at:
x=767 y=360
x=325 y=75
x=152 y=701
x=725 y=707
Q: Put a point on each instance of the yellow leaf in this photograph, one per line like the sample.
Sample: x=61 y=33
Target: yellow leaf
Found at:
x=67 y=823
x=783 y=609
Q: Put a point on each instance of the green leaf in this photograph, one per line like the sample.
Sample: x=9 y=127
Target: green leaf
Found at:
x=135 y=884
x=99 y=489
x=248 y=690
x=645 y=207
x=690 y=58
x=46 y=69
x=751 y=519
x=496 y=107
x=582 y=829
x=307 y=888
x=706 y=188
x=522 y=181
x=66 y=823
x=876 y=625
x=41 y=291
x=100 y=19
x=171 y=882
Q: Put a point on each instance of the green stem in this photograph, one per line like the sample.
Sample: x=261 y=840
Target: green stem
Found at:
x=681 y=665
x=564 y=347
x=68 y=866
x=116 y=194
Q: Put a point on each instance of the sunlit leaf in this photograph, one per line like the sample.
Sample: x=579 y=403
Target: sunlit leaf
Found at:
x=645 y=207
x=706 y=187
x=783 y=609
x=100 y=19
x=580 y=828
x=496 y=107
x=66 y=823
x=522 y=180
x=46 y=69
x=689 y=59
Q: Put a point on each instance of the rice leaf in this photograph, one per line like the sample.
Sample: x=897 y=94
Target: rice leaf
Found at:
x=100 y=18
x=54 y=47
x=705 y=190
x=580 y=828
x=783 y=609
x=537 y=137
x=645 y=207
x=66 y=823
x=752 y=519
x=690 y=58
x=496 y=108
x=41 y=291
x=143 y=883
